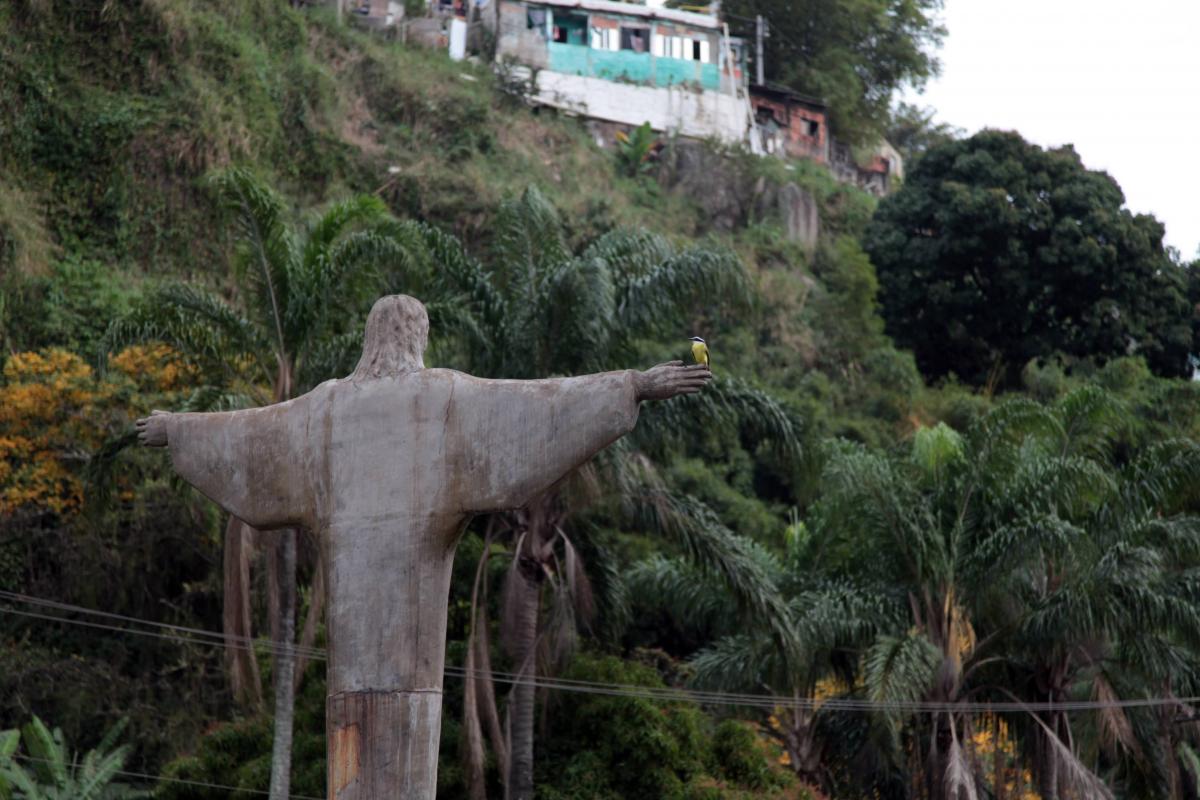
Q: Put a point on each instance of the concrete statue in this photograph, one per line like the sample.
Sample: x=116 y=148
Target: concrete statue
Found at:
x=387 y=466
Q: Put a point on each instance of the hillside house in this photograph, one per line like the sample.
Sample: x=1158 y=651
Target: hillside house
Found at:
x=878 y=171
x=790 y=123
x=628 y=64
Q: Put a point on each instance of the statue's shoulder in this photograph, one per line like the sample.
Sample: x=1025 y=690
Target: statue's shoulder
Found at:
x=421 y=379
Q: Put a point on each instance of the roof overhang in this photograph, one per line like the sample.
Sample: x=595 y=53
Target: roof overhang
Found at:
x=634 y=10
x=782 y=93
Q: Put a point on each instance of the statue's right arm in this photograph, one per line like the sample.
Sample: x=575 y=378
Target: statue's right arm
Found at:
x=246 y=461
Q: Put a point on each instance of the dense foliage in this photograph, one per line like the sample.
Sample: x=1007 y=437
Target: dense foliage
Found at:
x=854 y=54
x=820 y=525
x=996 y=251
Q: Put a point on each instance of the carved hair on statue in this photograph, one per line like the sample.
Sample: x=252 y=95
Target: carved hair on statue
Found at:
x=395 y=339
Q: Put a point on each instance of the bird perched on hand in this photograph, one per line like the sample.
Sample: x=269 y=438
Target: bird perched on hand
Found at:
x=699 y=350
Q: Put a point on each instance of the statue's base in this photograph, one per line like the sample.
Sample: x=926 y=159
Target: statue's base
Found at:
x=383 y=744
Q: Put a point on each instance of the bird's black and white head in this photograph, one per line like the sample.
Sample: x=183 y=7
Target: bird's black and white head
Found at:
x=696 y=339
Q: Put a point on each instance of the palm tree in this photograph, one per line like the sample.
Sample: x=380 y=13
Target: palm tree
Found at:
x=50 y=771
x=1027 y=562
x=540 y=311
x=300 y=296
x=831 y=621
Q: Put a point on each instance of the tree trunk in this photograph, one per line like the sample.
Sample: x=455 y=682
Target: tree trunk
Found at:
x=800 y=738
x=316 y=610
x=474 y=756
x=526 y=597
x=285 y=662
x=1048 y=772
x=235 y=616
x=999 y=764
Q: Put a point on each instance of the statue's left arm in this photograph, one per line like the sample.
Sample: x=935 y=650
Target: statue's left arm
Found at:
x=244 y=461
x=520 y=437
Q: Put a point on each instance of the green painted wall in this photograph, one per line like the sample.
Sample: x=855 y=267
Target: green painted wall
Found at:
x=627 y=65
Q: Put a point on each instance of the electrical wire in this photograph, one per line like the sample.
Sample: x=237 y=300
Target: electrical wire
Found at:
x=222 y=638
x=664 y=694
x=145 y=776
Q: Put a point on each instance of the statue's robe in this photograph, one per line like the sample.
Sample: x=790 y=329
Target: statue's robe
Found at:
x=387 y=471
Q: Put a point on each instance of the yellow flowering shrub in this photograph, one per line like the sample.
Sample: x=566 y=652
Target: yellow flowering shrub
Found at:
x=154 y=367
x=55 y=411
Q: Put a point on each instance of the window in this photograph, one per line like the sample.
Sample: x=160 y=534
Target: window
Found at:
x=705 y=51
x=811 y=128
x=535 y=18
x=569 y=28
x=635 y=39
x=695 y=48
x=676 y=47
x=606 y=39
x=659 y=43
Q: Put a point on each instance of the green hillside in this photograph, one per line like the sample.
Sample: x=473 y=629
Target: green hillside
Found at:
x=826 y=490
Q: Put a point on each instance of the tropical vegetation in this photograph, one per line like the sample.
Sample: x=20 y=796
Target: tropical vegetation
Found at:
x=916 y=540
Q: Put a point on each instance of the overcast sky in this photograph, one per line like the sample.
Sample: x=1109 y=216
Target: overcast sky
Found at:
x=1119 y=80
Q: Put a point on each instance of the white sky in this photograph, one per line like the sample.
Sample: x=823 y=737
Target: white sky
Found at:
x=1120 y=80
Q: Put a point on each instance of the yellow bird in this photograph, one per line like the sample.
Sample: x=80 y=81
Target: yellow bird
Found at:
x=699 y=351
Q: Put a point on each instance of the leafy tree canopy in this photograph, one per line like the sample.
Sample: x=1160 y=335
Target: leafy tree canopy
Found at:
x=913 y=129
x=854 y=54
x=996 y=251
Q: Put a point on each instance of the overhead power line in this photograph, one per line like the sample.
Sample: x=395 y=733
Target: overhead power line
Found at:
x=663 y=694
x=146 y=777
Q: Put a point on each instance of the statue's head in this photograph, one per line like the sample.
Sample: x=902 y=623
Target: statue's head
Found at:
x=395 y=339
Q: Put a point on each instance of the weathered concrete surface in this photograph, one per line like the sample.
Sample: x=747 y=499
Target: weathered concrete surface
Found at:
x=676 y=109
x=388 y=465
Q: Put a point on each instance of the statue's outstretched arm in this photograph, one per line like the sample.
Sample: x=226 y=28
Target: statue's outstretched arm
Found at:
x=523 y=436
x=246 y=461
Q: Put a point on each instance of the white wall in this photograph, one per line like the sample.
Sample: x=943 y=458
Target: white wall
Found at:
x=700 y=114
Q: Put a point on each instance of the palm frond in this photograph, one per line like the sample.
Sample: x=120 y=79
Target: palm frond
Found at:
x=200 y=325
x=1030 y=538
x=268 y=252
x=842 y=615
x=864 y=494
x=325 y=231
x=217 y=398
x=329 y=357
x=728 y=404
x=1116 y=732
x=1090 y=418
x=959 y=779
x=658 y=300
x=1070 y=486
x=1162 y=478
x=738 y=663
x=100 y=473
x=1078 y=779
x=900 y=668
x=528 y=241
x=995 y=439
x=340 y=284
x=684 y=593
x=457 y=273
x=630 y=254
x=576 y=317
x=722 y=554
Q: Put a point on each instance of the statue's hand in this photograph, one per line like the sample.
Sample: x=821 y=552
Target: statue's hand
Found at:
x=152 y=430
x=670 y=379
